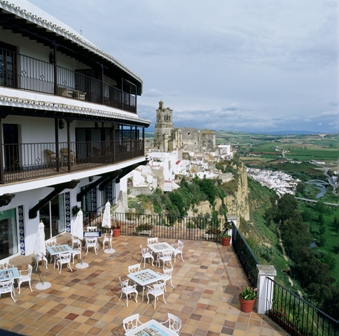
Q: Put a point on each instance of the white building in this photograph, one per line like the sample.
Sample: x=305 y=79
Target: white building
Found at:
x=69 y=125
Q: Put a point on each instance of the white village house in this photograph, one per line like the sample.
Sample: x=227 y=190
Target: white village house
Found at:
x=69 y=126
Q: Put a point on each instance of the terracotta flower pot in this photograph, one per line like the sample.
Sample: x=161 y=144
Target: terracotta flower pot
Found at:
x=225 y=241
x=116 y=232
x=246 y=306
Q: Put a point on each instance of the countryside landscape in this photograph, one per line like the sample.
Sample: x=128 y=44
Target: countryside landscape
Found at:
x=275 y=237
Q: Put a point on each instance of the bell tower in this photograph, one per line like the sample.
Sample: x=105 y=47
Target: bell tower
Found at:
x=163 y=127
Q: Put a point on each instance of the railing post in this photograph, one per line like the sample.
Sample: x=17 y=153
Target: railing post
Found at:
x=265 y=291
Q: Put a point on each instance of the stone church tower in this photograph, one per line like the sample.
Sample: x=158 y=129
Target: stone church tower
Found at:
x=163 y=128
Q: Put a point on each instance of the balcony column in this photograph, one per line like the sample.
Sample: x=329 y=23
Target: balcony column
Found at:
x=265 y=288
x=102 y=84
x=56 y=132
x=55 y=69
x=2 y=178
x=143 y=139
x=69 y=145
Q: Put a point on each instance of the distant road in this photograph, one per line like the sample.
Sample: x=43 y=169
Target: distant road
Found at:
x=313 y=201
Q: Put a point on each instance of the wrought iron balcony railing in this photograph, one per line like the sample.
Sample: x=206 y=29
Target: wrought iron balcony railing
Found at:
x=33 y=160
x=27 y=73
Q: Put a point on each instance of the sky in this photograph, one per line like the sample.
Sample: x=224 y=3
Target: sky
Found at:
x=235 y=65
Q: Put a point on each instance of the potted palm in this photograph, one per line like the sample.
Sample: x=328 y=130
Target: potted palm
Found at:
x=247 y=299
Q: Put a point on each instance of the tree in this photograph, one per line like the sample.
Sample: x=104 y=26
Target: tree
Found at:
x=335 y=223
x=287 y=205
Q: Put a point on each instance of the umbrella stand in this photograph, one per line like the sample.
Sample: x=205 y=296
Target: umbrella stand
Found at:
x=43 y=285
x=81 y=264
x=110 y=249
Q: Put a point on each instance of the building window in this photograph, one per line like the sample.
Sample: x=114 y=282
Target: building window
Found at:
x=53 y=216
x=8 y=234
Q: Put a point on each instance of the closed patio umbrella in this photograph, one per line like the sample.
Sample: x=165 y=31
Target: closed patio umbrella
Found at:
x=106 y=222
x=40 y=249
x=77 y=231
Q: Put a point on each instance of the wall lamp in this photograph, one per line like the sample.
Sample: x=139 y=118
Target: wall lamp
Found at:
x=61 y=124
x=51 y=58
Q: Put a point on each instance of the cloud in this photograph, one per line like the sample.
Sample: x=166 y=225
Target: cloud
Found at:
x=152 y=93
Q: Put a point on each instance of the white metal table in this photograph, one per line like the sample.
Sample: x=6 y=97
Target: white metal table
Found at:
x=151 y=328
x=161 y=247
x=58 y=249
x=145 y=277
x=9 y=273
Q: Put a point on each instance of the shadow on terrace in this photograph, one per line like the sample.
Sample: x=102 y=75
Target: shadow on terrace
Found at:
x=86 y=301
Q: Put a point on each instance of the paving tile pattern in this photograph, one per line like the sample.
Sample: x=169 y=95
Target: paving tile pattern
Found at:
x=86 y=301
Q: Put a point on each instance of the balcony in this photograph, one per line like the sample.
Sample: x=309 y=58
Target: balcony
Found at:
x=35 y=160
x=27 y=73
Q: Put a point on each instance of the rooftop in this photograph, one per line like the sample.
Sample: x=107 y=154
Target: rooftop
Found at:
x=86 y=301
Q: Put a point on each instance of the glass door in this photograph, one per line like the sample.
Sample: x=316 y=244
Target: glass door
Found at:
x=52 y=215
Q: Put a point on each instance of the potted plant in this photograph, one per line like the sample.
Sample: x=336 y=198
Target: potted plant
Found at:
x=247 y=299
x=212 y=233
x=225 y=239
x=144 y=229
x=116 y=228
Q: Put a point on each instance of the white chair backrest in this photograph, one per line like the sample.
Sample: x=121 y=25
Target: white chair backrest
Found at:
x=92 y=229
x=144 y=250
x=168 y=271
x=65 y=257
x=152 y=240
x=134 y=268
x=167 y=254
x=30 y=269
x=6 y=286
x=91 y=241
x=174 y=322
x=131 y=322
x=180 y=245
x=158 y=288
x=4 y=265
x=124 y=283
x=51 y=242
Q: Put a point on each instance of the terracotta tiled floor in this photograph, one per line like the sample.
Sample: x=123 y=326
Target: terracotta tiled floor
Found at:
x=86 y=302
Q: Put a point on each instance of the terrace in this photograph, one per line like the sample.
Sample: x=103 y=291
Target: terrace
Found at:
x=87 y=302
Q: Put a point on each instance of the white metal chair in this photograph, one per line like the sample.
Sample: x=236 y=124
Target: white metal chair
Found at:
x=153 y=240
x=156 y=290
x=49 y=243
x=146 y=254
x=134 y=268
x=107 y=239
x=179 y=246
x=64 y=258
x=174 y=323
x=7 y=287
x=25 y=276
x=167 y=276
x=91 y=242
x=5 y=265
x=76 y=242
x=92 y=229
x=127 y=289
x=131 y=322
x=76 y=251
x=164 y=257
x=38 y=258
